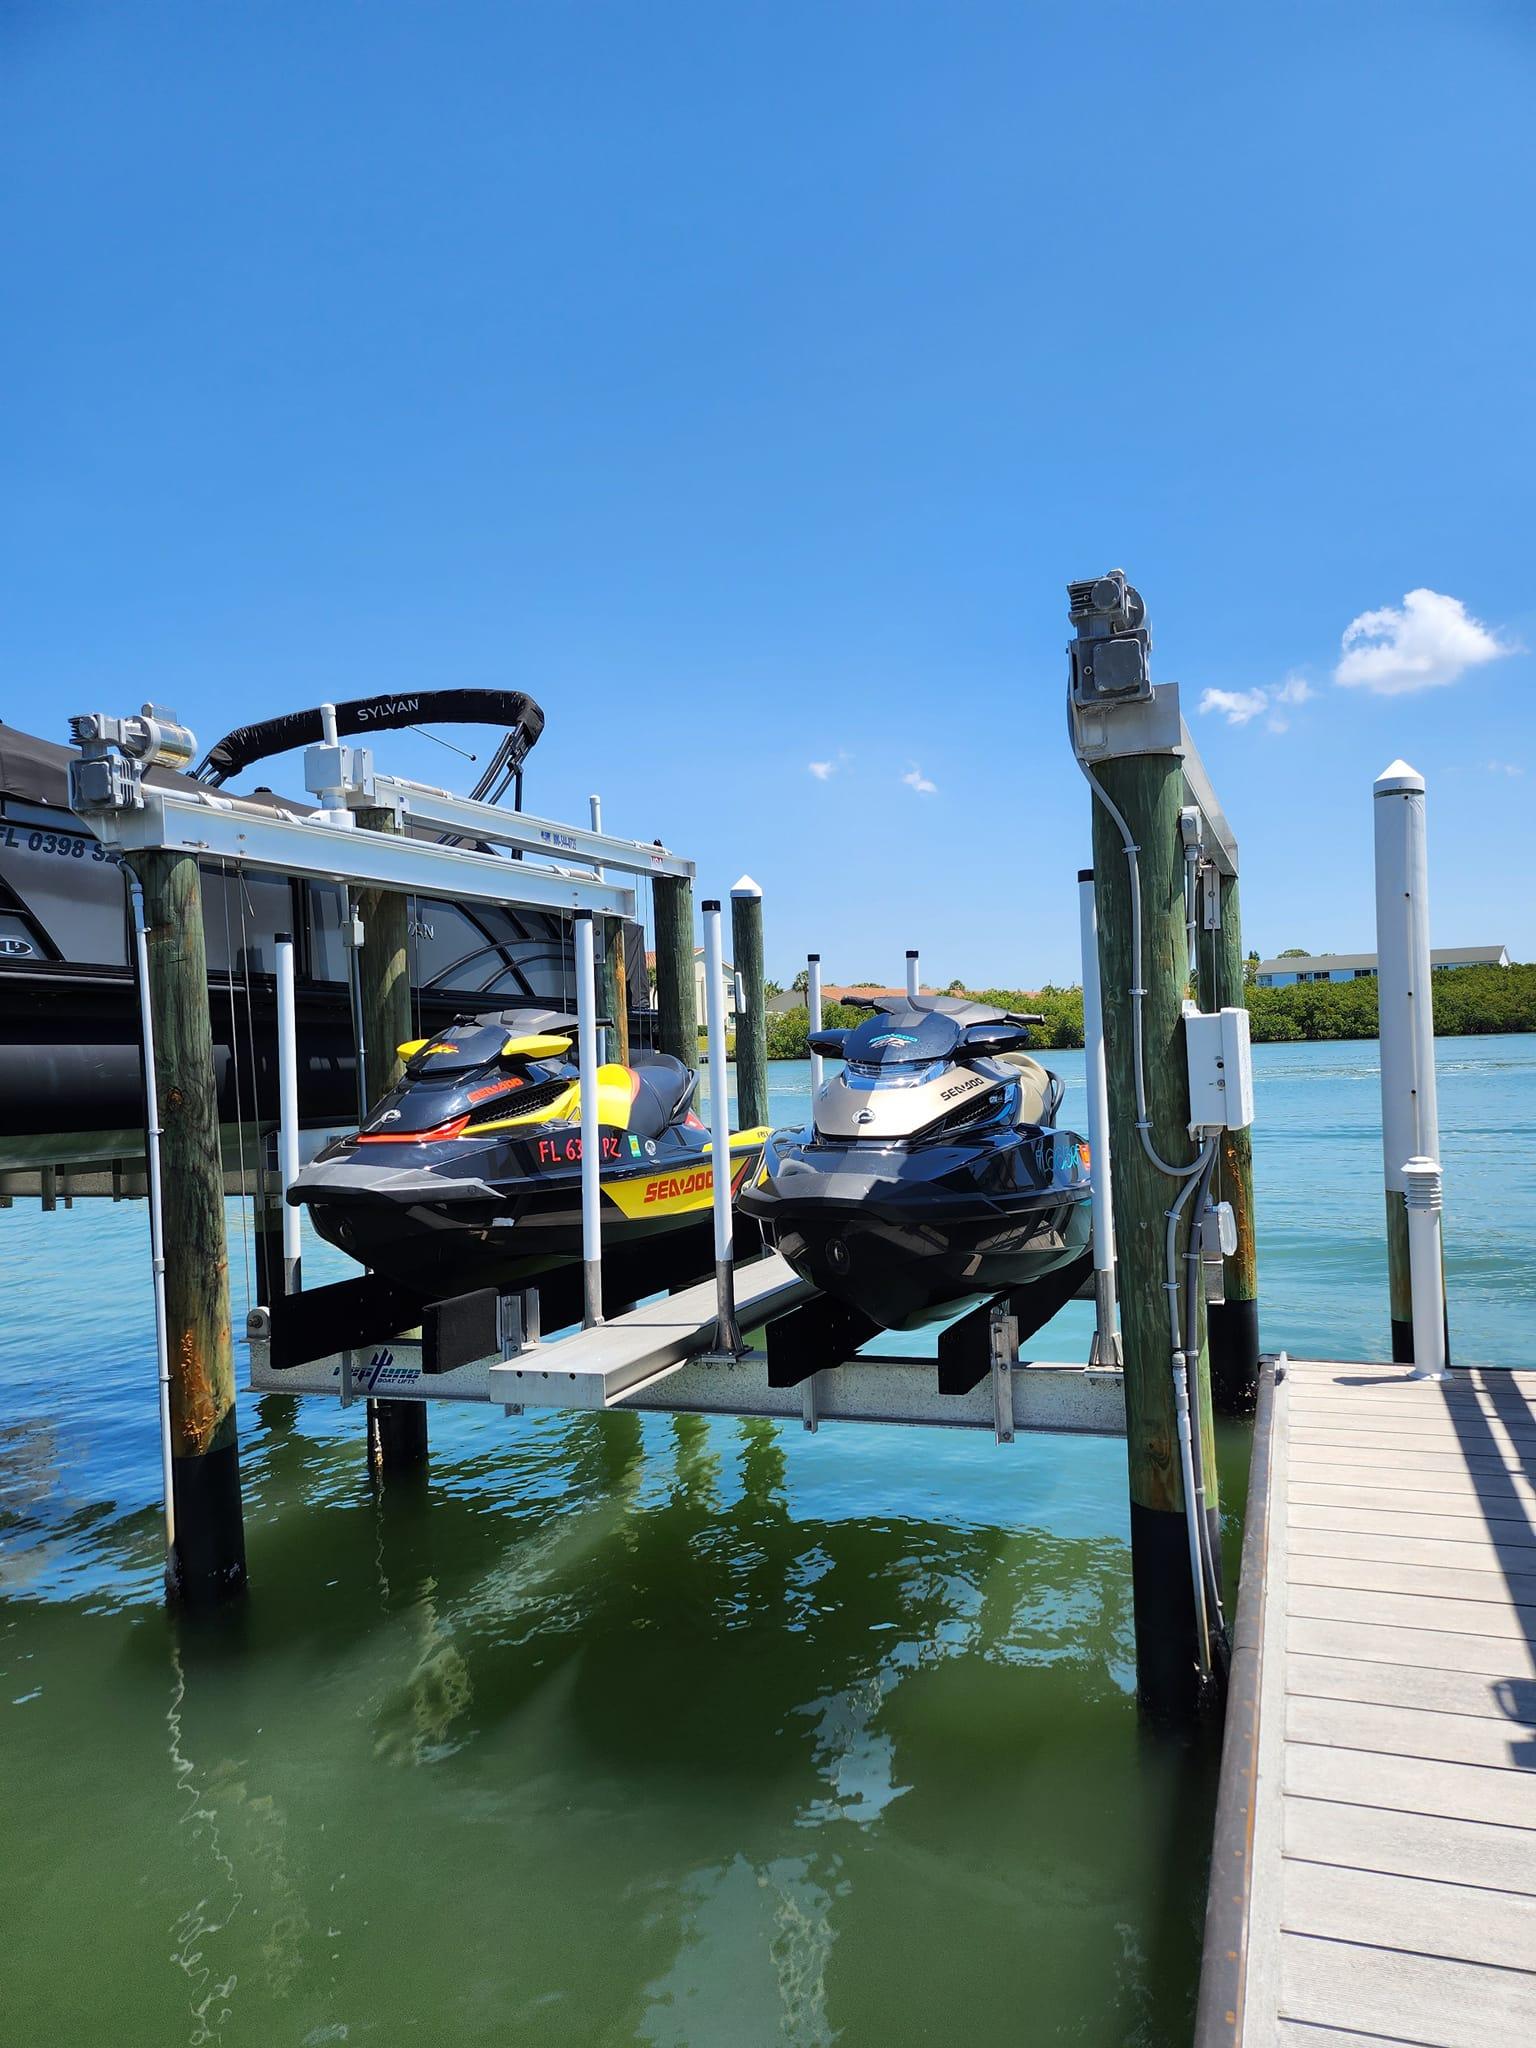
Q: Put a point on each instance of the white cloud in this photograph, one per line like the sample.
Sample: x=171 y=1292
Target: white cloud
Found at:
x=1236 y=706
x=1241 y=707
x=1432 y=640
x=916 y=779
x=1505 y=768
x=822 y=770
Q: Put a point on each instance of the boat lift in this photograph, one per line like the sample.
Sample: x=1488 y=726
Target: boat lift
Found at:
x=685 y=1353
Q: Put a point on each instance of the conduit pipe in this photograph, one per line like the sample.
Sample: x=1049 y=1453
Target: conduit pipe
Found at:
x=152 y=1135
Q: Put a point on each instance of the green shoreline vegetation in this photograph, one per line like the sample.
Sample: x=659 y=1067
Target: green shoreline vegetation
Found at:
x=1470 y=1002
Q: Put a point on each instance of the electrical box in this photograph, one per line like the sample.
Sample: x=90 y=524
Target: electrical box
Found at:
x=1220 y=1069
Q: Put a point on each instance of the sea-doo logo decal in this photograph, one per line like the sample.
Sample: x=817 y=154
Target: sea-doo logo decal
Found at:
x=894 y=1038
x=672 y=1187
x=963 y=1087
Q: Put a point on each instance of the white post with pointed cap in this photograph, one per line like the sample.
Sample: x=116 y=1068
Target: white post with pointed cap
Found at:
x=913 y=984
x=1105 y=1349
x=1410 y=1119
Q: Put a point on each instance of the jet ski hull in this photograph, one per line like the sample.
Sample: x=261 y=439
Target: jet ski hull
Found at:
x=911 y=1235
x=455 y=1217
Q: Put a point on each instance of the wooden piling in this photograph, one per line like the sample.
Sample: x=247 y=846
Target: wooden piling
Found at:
x=206 y=1564
x=397 y=1430
x=677 y=998
x=1234 y=1321
x=752 y=1015
x=1149 y=790
x=613 y=996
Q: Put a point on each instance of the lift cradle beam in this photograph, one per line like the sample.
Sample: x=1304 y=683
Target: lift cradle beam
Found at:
x=214 y=827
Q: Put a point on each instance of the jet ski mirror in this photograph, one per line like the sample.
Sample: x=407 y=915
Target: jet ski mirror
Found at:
x=538 y=1045
x=830 y=1044
x=996 y=1038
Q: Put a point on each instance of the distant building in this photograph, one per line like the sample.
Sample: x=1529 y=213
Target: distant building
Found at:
x=1296 y=967
x=866 y=992
x=698 y=984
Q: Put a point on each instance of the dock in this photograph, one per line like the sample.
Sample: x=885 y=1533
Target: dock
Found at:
x=1374 y=1867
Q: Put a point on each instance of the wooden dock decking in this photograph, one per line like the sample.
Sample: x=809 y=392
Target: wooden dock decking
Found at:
x=1393 y=1888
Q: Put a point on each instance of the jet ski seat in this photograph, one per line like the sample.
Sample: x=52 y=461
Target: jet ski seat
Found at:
x=665 y=1091
x=1040 y=1089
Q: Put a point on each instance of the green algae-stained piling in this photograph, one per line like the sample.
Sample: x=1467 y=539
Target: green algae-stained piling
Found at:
x=207 y=1559
x=397 y=1433
x=613 y=994
x=752 y=1013
x=1149 y=791
x=677 y=999
x=1234 y=1321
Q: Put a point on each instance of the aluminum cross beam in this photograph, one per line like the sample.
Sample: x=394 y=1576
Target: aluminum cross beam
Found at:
x=439 y=810
x=290 y=844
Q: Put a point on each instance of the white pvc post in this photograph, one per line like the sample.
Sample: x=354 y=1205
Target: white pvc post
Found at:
x=288 y=1110
x=813 y=1005
x=595 y=809
x=152 y=1136
x=1106 y=1335
x=1422 y=1180
x=1410 y=1118
x=727 y=1336
x=591 y=1154
x=595 y=806
x=912 y=977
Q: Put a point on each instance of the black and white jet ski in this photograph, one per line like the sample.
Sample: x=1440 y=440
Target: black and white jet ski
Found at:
x=932 y=1176
x=468 y=1172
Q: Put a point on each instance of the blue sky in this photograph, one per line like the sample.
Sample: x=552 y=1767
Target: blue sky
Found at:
x=746 y=382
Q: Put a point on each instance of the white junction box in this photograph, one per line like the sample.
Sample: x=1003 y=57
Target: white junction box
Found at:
x=1220 y=1069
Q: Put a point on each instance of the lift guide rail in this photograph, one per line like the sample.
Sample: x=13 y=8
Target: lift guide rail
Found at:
x=651 y=1359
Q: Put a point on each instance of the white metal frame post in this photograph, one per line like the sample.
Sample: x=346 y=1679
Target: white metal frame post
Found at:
x=1106 y=1334
x=288 y=1111
x=813 y=1006
x=152 y=1136
x=591 y=1143
x=914 y=983
x=727 y=1342
x=1410 y=1118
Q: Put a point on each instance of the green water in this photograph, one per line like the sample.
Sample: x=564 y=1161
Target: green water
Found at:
x=617 y=1729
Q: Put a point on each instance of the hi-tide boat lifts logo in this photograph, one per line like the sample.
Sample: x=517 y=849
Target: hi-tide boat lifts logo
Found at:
x=381 y=1373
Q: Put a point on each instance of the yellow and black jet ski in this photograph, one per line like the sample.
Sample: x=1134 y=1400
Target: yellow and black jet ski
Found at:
x=467 y=1174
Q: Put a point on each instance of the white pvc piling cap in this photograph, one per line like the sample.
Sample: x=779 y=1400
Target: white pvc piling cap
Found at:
x=1422 y=1183
x=1397 y=777
x=745 y=887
